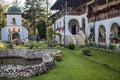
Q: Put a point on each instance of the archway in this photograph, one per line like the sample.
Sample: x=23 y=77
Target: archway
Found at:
x=14 y=35
x=83 y=25
x=74 y=26
x=115 y=33
x=91 y=36
x=102 y=34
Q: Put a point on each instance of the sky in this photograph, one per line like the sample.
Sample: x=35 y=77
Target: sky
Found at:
x=10 y=1
x=23 y=1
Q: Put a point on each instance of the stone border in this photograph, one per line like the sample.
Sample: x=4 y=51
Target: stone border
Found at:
x=48 y=63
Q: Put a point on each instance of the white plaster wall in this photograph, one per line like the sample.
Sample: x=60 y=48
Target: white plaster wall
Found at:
x=67 y=19
x=60 y=23
x=4 y=33
x=107 y=24
x=24 y=33
x=17 y=17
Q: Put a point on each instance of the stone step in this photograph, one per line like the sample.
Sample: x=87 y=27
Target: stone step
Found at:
x=79 y=40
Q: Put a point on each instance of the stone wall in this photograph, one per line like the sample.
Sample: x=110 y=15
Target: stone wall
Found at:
x=48 y=62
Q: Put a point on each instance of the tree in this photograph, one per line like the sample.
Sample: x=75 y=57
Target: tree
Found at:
x=35 y=11
x=49 y=35
x=41 y=26
x=3 y=7
x=1 y=16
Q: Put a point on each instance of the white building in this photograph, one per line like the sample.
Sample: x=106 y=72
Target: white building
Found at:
x=78 y=22
x=14 y=28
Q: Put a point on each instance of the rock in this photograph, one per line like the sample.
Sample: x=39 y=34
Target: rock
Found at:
x=19 y=71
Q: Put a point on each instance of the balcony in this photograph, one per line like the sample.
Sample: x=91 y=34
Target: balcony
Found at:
x=113 y=13
x=101 y=17
x=91 y=19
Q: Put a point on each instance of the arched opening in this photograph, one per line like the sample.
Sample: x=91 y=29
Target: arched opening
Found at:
x=102 y=34
x=74 y=26
x=91 y=33
x=83 y=25
x=14 y=35
x=115 y=33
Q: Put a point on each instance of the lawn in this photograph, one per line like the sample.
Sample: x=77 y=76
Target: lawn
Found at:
x=76 y=66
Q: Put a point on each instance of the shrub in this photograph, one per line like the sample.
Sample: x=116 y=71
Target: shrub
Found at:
x=111 y=47
x=34 y=45
x=9 y=45
x=1 y=45
x=17 y=41
x=26 y=44
x=71 y=46
x=57 y=46
x=92 y=44
x=57 y=56
x=87 y=52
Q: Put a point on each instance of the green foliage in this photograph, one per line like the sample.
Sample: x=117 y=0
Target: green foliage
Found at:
x=58 y=34
x=57 y=46
x=49 y=35
x=9 y=45
x=75 y=67
x=91 y=44
x=87 y=52
x=37 y=45
x=34 y=45
x=1 y=16
x=57 y=56
x=71 y=46
x=41 y=26
x=111 y=47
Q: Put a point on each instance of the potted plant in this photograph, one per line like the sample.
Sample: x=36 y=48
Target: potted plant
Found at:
x=101 y=39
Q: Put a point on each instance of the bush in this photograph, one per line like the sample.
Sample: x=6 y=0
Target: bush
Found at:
x=57 y=56
x=33 y=45
x=82 y=46
x=1 y=45
x=17 y=41
x=71 y=46
x=9 y=45
x=111 y=47
x=91 y=44
x=87 y=52
x=57 y=47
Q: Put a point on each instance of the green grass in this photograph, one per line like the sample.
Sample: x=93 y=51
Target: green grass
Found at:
x=76 y=66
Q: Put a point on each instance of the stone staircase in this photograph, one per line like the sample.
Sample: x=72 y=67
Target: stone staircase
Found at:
x=79 y=40
x=68 y=39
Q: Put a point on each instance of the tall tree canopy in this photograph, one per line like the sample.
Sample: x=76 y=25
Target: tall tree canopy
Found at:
x=35 y=11
x=1 y=18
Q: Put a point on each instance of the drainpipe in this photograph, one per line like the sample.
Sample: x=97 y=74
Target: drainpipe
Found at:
x=95 y=2
x=65 y=13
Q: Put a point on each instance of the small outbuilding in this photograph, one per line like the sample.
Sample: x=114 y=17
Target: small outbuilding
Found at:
x=14 y=29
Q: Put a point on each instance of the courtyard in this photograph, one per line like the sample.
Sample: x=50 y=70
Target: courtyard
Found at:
x=67 y=40
x=101 y=65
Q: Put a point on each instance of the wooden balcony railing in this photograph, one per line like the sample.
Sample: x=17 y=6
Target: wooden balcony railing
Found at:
x=101 y=17
x=114 y=13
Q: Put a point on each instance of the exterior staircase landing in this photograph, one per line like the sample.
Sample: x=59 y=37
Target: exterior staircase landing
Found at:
x=79 y=40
